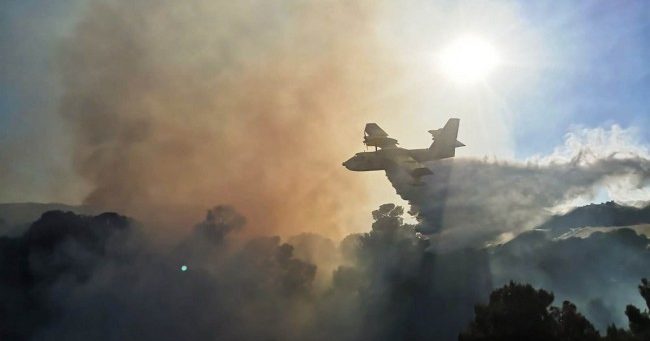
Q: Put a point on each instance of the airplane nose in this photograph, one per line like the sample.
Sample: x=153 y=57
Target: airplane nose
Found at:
x=350 y=163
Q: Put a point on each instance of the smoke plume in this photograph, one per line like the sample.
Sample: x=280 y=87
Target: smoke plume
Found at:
x=176 y=104
x=472 y=201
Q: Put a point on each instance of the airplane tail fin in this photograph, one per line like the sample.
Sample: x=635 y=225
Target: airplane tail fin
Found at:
x=444 y=139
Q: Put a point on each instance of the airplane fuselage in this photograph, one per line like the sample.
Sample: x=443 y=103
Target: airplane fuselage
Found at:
x=366 y=161
x=384 y=158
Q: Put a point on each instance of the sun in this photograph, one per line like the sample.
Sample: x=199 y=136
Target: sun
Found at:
x=468 y=60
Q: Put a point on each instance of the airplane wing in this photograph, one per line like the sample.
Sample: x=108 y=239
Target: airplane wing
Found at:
x=376 y=137
x=372 y=129
x=406 y=168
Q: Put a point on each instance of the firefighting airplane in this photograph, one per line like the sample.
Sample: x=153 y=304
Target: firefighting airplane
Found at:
x=387 y=156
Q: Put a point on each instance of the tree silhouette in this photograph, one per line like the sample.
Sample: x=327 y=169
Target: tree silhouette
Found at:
x=572 y=325
x=514 y=312
x=640 y=321
x=520 y=312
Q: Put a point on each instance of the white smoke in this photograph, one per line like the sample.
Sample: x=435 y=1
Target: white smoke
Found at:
x=473 y=201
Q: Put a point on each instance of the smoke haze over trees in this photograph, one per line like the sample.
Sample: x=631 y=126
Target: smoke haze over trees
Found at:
x=99 y=277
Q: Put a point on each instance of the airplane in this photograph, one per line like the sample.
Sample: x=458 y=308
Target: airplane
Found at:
x=389 y=157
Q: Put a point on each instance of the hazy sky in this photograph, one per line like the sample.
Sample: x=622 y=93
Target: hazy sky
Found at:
x=564 y=65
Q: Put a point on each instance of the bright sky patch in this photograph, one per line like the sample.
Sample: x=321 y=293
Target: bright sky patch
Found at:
x=468 y=60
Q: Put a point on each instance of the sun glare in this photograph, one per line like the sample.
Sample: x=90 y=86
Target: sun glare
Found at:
x=468 y=60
